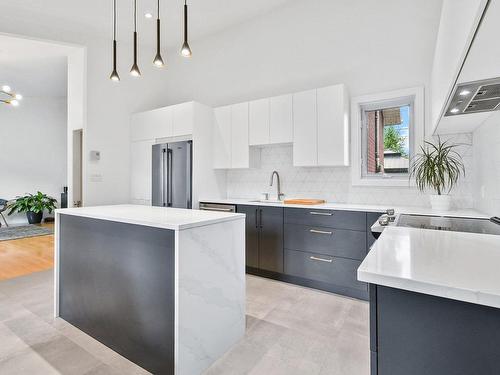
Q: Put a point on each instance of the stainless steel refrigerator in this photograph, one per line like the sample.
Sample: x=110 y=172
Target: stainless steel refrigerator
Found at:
x=172 y=174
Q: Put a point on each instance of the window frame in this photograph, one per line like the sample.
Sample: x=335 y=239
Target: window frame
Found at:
x=390 y=99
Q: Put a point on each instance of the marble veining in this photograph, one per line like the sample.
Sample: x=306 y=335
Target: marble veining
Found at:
x=211 y=293
x=456 y=265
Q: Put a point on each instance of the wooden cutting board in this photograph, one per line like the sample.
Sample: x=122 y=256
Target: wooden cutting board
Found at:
x=305 y=201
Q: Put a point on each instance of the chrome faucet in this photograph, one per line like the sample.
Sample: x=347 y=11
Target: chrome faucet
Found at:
x=279 y=193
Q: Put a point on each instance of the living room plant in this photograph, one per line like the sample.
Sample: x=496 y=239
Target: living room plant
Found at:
x=34 y=205
x=438 y=167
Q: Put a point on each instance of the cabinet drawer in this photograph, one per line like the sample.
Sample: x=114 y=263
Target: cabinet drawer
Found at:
x=327 y=218
x=324 y=268
x=324 y=240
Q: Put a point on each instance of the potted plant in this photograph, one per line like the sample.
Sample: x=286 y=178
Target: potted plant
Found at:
x=34 y=205
x=438 y=168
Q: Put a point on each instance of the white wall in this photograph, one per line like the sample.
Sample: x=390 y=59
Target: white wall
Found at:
x=371 y=46
x=33 y=147
x=108 y=105
x=487 y=166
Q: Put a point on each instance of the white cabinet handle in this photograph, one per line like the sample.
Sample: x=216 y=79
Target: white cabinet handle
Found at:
x=321 y=213
x=320 y=231
x=321 y=259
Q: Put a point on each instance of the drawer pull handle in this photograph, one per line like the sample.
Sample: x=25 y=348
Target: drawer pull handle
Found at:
x=321 y=259
x=321 y=213
x=320 y=231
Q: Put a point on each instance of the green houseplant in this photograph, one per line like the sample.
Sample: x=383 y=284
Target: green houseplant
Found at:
x=438 y=167
x=34 y=205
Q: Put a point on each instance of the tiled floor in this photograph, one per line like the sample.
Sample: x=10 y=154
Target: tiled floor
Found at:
x=290 y=330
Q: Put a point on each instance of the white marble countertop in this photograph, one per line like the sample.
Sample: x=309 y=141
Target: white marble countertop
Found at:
x=456 y=265
x=160 y=217
x=353 y=207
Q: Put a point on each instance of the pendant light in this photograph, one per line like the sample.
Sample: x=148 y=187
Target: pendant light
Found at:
x=134 y=71
x=158 y=61
x=186 y=50
x=114 y=75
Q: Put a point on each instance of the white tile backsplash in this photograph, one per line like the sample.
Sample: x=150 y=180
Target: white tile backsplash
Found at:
x=334 y=183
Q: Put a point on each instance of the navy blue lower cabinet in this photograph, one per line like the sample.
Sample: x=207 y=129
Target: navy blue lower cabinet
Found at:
x=319 y=249
x=418 y=334
x=264 y=238
x=329 y=241
x=251 y=234
x=323 y=268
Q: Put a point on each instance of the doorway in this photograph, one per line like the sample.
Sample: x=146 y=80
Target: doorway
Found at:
x=77 y=167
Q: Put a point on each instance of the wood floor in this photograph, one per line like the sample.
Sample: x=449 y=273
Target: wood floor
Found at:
x=26 y=255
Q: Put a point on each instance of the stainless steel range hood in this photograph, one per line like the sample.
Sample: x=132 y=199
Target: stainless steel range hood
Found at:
x=474 y=97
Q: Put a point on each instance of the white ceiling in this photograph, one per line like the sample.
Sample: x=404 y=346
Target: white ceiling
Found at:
x=32 y=68
x=95 y=16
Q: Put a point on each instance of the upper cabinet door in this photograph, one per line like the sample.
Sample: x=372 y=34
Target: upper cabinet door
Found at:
x=333 y=126
x=240 y=153
x=151 y=124
x=259 y=122
x=183 y=119
x=281 y=119
x=305 y=130
x=222 y=138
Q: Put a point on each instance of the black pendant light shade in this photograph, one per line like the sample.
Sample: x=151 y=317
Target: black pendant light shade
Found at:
x=158 y=61
x=186 y=50
x=134 y=71
x=114 y=74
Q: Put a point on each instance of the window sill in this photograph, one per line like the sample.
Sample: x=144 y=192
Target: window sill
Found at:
x=384 y=181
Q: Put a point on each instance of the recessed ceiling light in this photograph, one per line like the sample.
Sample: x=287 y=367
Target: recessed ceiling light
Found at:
x=464 y=92
x=454 y=110
x=6 y=88
x=148 y=15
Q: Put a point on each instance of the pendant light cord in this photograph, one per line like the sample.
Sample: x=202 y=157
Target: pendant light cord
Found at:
x=158 y=9
x=114 y=19
x=135 y=15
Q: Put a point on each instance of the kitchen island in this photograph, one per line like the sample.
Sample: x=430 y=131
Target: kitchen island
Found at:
x=163 y=287
x=434 y=302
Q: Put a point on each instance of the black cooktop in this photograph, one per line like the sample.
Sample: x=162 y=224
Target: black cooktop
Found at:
x=447 y=223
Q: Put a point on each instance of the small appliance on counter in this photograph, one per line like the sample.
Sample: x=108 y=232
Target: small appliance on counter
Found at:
x=172 y=174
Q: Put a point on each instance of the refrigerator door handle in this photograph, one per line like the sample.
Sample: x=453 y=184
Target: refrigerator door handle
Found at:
x=163 y=200
x=189 y=182
x=169 y=178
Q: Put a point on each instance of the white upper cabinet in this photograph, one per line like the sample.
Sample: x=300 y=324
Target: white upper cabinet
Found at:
x=240 y=152
x=281 y=119
x=157 y=123
x=305 y=129
x=222 y=138
x=321 y=127
x=333 y=126
x=183 y=118
x=172 y=121
x=259 y=122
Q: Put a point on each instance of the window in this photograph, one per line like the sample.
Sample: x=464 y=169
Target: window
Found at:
x=386 y=139
x=388 y=126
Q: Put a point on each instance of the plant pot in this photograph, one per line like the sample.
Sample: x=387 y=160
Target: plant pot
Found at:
x=440 y=202
x=34 y=217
